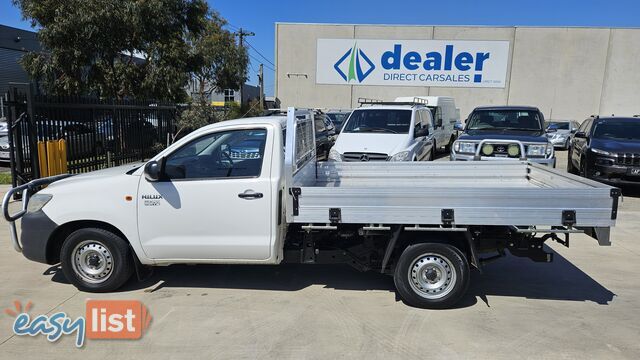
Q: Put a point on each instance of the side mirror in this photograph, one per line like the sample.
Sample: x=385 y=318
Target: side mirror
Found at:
x=420 y=132
x=458 y=126
x=552 y=129
x=580 y=135
x=573 y=131
x=153 y=171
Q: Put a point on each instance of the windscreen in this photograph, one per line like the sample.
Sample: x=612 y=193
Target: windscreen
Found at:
x=505 y=120
x=379 y=121
x=338 y=118
x=560 y=125
x=617 y=130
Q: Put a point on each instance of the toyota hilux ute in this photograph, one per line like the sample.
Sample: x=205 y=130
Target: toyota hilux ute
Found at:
x=502 y=133
x=250 y=191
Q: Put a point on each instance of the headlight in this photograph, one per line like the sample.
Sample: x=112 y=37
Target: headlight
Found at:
x=513 y=150
x=464 y=147
x=602 y=152
x=37 y=202
x=401 y=156
x=334 y=155
x=537 y=150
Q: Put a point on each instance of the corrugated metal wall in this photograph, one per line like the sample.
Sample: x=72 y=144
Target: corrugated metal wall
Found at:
x=10 y=69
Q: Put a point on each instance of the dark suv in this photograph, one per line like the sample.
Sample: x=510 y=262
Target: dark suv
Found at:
x=607 y=149
x=499 y=133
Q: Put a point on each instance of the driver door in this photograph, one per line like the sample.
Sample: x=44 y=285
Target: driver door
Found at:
x=214 y=201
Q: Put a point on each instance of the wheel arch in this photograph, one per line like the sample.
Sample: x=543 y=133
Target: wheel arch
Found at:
x=54 y=245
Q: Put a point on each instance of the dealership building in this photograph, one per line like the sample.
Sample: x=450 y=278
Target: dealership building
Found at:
x=569 y=72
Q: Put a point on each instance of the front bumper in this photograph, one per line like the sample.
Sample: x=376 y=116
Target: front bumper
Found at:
x=558 y=142
x=612 y=174
x=550 y=162
x=37 y=229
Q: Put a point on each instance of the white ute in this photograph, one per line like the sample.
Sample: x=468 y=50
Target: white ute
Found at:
x=232 y=192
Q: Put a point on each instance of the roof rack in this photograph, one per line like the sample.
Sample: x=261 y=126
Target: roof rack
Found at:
x=416 y=101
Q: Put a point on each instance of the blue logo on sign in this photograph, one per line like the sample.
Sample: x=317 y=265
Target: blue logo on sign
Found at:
x=358 y=67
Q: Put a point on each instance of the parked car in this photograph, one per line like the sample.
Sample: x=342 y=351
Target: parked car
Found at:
x=4 y=127
x=559 y=132
x=5 y=156
x=504 y=133
x=386 y=132
x=409 y=221
x=607 y=149
x=445 y=115
x=338 y=117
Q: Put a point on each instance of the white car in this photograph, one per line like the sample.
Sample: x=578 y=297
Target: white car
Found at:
x=386 y=132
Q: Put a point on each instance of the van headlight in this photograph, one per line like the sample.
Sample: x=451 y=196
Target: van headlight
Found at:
x=464 y=147
x=401 y=156
x=537 y=150
x=334 y=155
x=37 y=202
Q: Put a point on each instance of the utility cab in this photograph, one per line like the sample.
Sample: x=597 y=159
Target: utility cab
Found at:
x=251 y=191
x=444 y=114
x=386 y=131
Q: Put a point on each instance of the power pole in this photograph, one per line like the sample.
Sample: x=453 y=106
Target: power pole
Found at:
x=241 y=34
x=261 y=83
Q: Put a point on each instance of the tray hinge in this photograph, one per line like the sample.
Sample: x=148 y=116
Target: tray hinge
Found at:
x=335 y=215
x=447 y=216
x=568 y=217
x=295 y=193
x=615 y=194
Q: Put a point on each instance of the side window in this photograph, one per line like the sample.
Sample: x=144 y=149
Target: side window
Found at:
x=226 y=154
x=438 y=117
x=427 y=118
x=319 y=122
x=584 y=125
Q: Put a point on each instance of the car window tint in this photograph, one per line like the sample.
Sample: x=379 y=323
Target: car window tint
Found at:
x=227 y=154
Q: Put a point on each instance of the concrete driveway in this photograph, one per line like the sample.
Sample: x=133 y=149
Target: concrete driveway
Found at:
x=584 y=305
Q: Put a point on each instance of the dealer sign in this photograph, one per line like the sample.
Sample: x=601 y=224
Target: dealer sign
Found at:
x=446 y=63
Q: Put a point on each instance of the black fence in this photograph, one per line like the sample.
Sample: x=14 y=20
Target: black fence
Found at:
x=98 y=133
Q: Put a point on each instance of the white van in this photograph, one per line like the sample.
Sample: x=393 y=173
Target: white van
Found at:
x=386 y=132
x=445 y=115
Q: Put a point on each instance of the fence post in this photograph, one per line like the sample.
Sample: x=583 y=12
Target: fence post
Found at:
x=33 y=135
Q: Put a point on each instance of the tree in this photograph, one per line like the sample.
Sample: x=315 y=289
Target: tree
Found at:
x=129 y=48
x=219 y=62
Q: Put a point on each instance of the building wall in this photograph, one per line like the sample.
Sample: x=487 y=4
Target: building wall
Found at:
x=569 y=73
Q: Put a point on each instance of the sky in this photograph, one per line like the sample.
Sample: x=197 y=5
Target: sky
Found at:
x=260 y=17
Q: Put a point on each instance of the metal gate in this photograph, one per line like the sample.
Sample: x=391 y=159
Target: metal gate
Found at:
x=98 y=133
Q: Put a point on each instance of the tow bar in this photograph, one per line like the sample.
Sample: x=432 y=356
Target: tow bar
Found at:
x=27 y=190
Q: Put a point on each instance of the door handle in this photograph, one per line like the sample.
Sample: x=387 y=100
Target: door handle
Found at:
x=250 y=195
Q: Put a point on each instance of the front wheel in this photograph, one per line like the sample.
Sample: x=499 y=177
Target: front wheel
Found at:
x=96 y=260
x=570 y=168
x=432 y=276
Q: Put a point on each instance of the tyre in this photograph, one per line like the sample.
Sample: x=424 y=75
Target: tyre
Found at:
x=447 y=147
x=584 y=171
x=430 y=156
x=570 y=168
x=432 y=276
x=96 y=260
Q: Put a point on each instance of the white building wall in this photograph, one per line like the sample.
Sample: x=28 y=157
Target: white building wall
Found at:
x=569 y=73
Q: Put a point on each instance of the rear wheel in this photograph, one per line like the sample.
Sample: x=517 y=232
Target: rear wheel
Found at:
x=433 y=276
x=96 y=260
